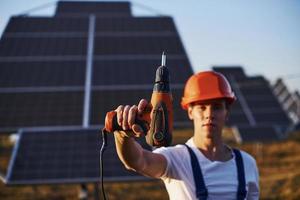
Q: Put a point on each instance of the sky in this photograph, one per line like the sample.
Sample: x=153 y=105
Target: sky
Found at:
x=262 y=36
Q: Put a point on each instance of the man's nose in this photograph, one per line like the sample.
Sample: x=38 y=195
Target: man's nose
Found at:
x=209 y=113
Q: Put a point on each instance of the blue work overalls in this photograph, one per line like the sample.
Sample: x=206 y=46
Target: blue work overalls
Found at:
x=201 y=190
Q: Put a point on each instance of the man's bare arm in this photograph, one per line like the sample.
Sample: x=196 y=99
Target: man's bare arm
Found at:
x=132 y=155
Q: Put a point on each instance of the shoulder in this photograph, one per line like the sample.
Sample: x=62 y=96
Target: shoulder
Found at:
x=251 y=174
x=247 y=158
x=177 y=159
x=175 y=150
x=174 y=154
x=249 y=163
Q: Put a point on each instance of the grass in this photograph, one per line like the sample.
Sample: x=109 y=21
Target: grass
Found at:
x=278 y=164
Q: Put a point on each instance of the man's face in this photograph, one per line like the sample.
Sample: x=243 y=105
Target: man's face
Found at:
x=209 y=117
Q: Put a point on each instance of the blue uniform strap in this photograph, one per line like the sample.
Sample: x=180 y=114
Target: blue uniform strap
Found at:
x=242 y=192
x=201 y=190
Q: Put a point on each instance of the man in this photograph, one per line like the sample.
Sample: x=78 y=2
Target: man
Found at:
x=203 y=168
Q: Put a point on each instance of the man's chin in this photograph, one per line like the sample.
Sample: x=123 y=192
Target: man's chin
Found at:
x=209 y=134
x=209 y=130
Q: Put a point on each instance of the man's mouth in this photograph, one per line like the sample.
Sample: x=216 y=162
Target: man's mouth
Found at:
x=209 y=125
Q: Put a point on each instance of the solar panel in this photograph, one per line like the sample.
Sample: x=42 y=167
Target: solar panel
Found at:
x=29 y=109
x=237 y=119
x=262 y=102
x=46 y=25
x=43 y=46
x=42 y=74
x=44 y=60
x=275 y=118
x=45 y=86
x=262 y=133
x=65 y=8
x=237 y=72
x=135 y=71
x=69 y=156
x=139 y=45
x=237 y=115
x=250 y=91
x=137 y=24
x=257 y=103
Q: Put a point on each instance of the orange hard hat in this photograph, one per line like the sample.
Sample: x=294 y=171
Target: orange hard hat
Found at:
x=204 y=86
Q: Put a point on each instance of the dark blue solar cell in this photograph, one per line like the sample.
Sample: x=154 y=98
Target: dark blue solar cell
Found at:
x=46 y=25
x=111 y=72
x=258 y=133
x=153 y=25
x=111 y=9
x=141 y=45
x=29 y=109
x=69 y=156
x=42 y=46
x=42 y=74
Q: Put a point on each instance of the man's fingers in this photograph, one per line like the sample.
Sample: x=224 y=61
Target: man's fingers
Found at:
x=138 y=131
x=132 y=115
x=119 y=111
x=125 y=117
x=142 y=105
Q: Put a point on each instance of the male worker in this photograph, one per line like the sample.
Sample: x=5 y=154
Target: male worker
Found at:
x=203 y=168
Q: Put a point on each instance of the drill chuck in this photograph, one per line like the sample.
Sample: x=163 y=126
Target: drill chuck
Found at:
x=162 y=79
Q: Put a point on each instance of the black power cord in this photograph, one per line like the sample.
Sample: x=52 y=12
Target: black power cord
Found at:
x=104 y=143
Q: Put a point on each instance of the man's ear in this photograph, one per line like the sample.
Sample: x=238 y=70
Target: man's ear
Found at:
x=190 y=109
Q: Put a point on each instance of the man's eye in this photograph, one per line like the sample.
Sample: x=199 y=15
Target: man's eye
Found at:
x=218 y=107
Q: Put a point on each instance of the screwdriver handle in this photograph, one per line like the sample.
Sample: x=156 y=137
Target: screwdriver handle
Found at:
x=143 y=120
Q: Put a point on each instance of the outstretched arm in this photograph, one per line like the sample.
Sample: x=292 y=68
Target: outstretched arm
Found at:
x=132 y=155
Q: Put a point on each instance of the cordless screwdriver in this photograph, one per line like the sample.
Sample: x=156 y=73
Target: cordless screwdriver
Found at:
x=156 y=120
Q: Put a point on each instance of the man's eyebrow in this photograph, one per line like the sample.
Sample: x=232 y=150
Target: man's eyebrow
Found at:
x=218 y=103
x=208 y=103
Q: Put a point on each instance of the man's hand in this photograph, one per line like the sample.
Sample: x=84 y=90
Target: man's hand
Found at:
x=126 y=116
x=132 y=155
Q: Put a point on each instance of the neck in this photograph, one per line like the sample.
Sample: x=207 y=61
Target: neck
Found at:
x=214 y=150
